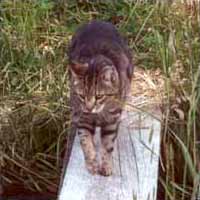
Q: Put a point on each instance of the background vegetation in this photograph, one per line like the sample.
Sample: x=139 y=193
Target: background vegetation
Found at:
x=34 y=111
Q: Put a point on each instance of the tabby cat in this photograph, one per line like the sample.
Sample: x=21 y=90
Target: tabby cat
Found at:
x=100 y=77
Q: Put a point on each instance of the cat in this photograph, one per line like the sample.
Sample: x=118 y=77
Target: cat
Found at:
x=100 y=68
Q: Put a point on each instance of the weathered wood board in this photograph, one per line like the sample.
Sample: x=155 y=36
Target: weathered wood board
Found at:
x=135 y=158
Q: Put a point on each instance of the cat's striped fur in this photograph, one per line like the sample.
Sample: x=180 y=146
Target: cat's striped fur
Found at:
x=101 y=70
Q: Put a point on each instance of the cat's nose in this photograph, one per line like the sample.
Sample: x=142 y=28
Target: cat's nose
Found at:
x=90 y=103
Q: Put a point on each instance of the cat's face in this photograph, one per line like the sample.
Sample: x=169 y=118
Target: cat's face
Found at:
x=95 y=86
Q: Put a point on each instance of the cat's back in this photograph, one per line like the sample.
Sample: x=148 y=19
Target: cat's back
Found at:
x=96 y=37
x=97 y=30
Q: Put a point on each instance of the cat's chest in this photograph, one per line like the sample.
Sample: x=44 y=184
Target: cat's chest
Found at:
x=102 y=118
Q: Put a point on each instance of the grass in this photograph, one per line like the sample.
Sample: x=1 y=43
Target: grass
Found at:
x=34 y=91
x=178 y=52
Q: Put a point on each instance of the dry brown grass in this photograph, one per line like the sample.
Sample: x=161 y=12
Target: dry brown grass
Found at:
x=33 y=133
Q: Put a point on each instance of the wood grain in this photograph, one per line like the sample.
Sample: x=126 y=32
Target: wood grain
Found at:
x=135 y=159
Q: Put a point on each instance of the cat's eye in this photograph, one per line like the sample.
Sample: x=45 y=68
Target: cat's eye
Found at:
x=98 y=97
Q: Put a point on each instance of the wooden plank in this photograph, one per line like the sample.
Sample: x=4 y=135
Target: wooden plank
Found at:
x=135 y=159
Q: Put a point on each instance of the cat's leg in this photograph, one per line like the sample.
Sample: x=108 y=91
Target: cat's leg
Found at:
x=108 y=136
x=88 y=147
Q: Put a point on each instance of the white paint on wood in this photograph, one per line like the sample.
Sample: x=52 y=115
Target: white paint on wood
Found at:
x=135 y=159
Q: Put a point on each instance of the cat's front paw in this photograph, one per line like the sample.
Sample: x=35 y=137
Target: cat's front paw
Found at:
x=106 y=169
x=92 y=167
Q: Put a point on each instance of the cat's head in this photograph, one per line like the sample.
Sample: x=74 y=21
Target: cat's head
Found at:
x=95 y=83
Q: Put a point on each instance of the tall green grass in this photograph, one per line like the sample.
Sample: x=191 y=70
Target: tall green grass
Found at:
x=34 y=110
x=32 y=48
x=178 y=49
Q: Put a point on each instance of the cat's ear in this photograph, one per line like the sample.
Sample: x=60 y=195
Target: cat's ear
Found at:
x=125 y=68
x=78 y=68
x=107 y=75
x=111 y=76
x=114 y=78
